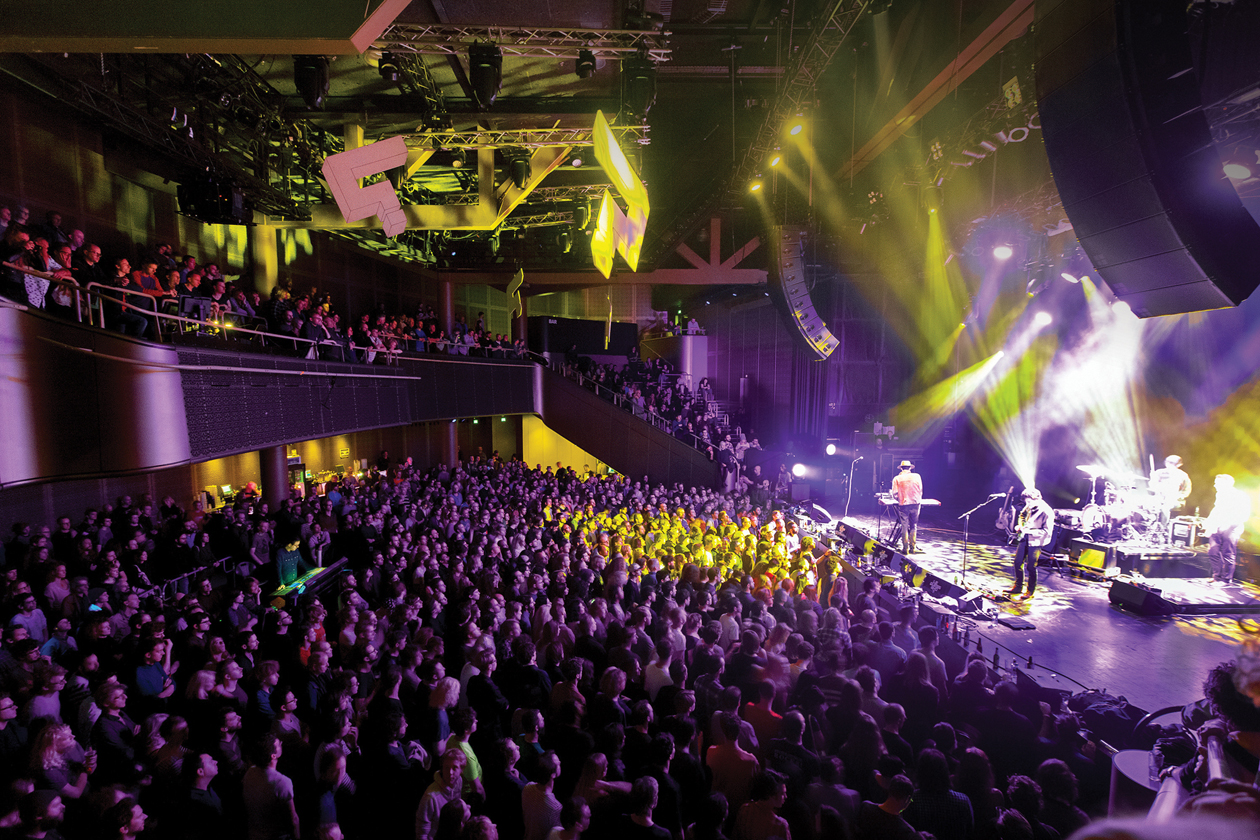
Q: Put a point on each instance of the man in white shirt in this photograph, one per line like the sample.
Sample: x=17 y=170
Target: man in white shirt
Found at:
x=1224 y=526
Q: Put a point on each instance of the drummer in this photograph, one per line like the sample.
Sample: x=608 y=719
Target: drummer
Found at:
x=1171 y=487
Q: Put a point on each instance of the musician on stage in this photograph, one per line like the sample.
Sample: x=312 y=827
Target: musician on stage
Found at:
x=1224 y=526
x=907 y=487
x=1036 y=522
x=1171 y=486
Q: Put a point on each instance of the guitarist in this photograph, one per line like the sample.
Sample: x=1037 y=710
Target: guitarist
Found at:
x=1033 y=533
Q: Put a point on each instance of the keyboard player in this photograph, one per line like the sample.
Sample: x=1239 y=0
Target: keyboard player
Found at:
x=907 y=489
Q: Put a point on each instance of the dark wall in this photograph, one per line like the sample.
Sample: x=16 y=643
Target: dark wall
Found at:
x=259 y=402
x=556 y=335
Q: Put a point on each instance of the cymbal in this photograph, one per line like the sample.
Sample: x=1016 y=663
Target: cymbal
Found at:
x=1092 y=470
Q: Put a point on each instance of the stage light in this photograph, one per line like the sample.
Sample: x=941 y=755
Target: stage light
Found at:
x=584 y=64
x=831 y=449
x=797 y=128
x=776 y=157
x=1237 y=172
x=756 y=185
x=999 y=354
x=310 y=76
x=1003 y=252
x=1071 y=278
x=575 y=162
x=459 y=157
x=638 y=85
x=798 y=470
x=1042 y=319
x=485 y=73
x=520 y=172
x=1121 y=308
x=388 y=67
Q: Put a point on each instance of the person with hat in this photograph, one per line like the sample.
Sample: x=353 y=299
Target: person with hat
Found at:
x=1036 y=521
x=1171 y=487
x=907 y=488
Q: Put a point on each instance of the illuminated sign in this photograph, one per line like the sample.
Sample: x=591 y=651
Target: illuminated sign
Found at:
x=616 y=231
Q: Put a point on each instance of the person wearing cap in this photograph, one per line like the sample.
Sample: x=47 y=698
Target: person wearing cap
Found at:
x=907 y=488
x=1171 y=486
x=1035 y=524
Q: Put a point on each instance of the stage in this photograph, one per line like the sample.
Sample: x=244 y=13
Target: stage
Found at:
x=1154 y=661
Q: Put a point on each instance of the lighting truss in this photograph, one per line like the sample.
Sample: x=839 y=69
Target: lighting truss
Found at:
x=803 y=75
x=537 y=220
x=126 y=118
x=573 y=193
x=524 y=42
x=834 y=25
x=526 y=138
x=415 y=78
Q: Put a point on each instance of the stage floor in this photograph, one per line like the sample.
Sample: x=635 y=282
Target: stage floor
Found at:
x=1154 y=662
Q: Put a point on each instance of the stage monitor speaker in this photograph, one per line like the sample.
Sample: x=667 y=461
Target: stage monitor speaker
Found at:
x=787 y=278
x=1133 y=158
x=1139 y=599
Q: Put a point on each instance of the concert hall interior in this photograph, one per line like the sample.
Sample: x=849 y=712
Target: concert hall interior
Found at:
x=419 y=324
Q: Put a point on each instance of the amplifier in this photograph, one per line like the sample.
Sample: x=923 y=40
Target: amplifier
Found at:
x=1186 y=531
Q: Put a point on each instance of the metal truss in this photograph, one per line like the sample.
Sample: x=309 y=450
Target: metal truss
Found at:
x=526 y=42
x=132 y=121
x=537 y=220
x=415 y=79
x=523 y=138
x=580 y=192
x=832 y=29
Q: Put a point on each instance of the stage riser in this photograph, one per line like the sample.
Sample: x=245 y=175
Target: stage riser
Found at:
x=1150 y=562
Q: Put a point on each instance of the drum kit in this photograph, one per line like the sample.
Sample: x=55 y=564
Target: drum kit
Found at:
x=1120 y=507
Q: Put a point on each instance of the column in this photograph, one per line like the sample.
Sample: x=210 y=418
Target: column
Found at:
x=446 y=306
x=273 y=462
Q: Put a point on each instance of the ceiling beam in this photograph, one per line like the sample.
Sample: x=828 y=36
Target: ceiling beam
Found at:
x=1005 y=28
x=316 y=27
x=669 y=276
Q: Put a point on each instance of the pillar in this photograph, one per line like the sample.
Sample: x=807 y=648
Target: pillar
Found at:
x=450 y=444
x=273 y=462
x=446 y=306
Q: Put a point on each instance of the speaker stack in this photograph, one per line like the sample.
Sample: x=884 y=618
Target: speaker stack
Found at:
x=1133 y=157
x=787 y=277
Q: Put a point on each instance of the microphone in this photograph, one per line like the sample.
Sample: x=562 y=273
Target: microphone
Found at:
x=996 y=495
x=858 y=458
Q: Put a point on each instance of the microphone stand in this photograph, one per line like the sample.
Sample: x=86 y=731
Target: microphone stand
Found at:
x=966 y=518
x=849 y=497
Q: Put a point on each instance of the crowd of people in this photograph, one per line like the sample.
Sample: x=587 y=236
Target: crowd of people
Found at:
x=508 y=652
x=47 y=264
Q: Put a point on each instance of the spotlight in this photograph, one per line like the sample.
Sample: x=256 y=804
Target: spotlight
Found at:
x=776 y=157
x=1042 y=319
x=1121 y=308
x=485 y=73
x=1071 y=278
x=1237 y=172
x=388 y=67
x=756 y=184
x=564 y=241
x=1003 y=252
x=459 y=157
x=638 y=85
x=999 y=354
x=582 y=215
x=310 y=75
x=575 y=162
x=831 y=449
x=798 y=470
x=584 y=64
x=797 y=128
x=520 y=172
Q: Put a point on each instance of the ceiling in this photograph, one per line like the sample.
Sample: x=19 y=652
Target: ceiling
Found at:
x=209 y=92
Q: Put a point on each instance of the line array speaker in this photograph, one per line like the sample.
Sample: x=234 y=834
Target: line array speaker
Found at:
x=1133 y=156
x=787 y=275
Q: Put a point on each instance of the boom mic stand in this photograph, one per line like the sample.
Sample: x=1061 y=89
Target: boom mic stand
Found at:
x=966 y=518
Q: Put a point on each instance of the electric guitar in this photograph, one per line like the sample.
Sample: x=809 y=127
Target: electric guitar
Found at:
x=1006 y=519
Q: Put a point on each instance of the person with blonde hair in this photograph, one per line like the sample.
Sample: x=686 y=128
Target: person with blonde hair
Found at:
x=58 y=763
